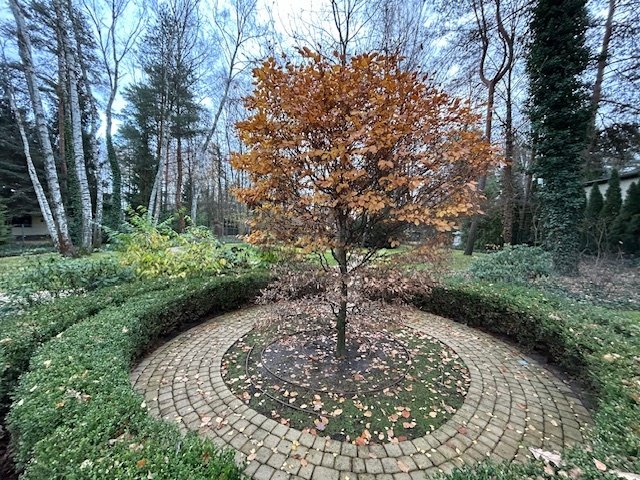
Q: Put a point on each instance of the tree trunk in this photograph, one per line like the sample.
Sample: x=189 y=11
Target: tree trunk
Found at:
x=115 y=208
x=341 y=318
x=181 y=224
x=482 y=181
x=603 y=57
x=506 y=64
x=507 y=172
x=76 y=131
x=156 y=191
x=100 y=189
x=45 y=209
x=24 y=45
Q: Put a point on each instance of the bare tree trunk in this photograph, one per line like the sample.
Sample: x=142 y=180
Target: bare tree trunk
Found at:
x=507 y=172
x=101 y=164
x=45 y=209
x=341 y=317
x=181 y=224
x=505 y=65
x=24 y=44
x=85 y=86
x=76 y=129
x=154 y=198
x=603 y=57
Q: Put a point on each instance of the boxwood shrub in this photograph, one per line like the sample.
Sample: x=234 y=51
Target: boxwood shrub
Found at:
x=599 y=346
x=21 y=333
x=75 y=414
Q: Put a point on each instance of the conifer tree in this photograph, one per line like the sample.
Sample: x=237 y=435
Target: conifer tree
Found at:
x=612 y=200
x=594 y=205
x=593 y=226
x=559 y=115
x=625 y=230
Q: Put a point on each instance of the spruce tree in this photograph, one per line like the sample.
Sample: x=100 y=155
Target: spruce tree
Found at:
x=594 y=205
x=559 y=115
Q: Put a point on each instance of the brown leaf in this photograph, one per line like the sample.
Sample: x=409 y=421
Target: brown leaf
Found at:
x=141 y=463
x=403 y=466
x=599 y=465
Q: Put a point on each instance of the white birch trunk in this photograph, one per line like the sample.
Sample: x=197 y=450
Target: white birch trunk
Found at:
x=45 y=209
x=155 y=199
x=76 y=135
x=24 y=44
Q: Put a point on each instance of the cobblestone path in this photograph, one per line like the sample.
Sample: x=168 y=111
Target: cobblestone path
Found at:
x=512 y=404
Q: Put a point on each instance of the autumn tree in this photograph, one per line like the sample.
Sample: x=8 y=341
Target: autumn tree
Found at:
x=338 y=149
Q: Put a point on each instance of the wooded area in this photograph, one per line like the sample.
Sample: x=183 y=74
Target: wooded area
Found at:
x=110 y=105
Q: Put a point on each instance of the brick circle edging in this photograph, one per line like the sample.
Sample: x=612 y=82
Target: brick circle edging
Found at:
x=512 y=403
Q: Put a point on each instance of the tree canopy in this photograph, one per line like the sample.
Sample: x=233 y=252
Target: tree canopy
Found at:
x=337 y=150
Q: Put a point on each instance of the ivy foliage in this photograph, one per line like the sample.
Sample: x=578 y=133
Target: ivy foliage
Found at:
x=559 y=115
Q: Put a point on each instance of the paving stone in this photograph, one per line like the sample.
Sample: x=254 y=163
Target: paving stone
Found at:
x=322 y=473
x=508 y=407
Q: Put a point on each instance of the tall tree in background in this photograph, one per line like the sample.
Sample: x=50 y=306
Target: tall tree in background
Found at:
x=116 y=37
x=63 y=239
x=559 y=116
x=492 y=69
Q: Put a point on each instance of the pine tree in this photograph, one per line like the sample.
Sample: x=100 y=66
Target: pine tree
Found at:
x=559 y=115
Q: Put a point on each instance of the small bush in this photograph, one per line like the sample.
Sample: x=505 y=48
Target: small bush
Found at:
x=57 y=275
x=158 y=251
x=514 y=264
x=75 y=414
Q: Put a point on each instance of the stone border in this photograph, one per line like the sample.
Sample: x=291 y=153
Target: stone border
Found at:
x=512 y=403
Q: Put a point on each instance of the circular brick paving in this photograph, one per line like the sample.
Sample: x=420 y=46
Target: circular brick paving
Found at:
x=512 y=404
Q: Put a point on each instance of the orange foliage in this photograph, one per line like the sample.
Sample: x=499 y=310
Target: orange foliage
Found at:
x=336 y=149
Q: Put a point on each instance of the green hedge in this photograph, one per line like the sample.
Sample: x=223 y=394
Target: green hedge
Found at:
x=75 y=414
x=600 y=346
x=22 y=333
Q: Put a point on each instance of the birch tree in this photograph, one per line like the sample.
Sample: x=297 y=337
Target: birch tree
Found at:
x=43 y=202
x=72 y=74
x=117 y=26
x=25 y=50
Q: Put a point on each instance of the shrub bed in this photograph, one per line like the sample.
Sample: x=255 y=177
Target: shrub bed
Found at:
x=600 y=346
x=75 y=414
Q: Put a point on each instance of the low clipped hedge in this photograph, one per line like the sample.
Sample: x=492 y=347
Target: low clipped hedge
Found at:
x=598 y=345
x=22 y=333
x=75 y=414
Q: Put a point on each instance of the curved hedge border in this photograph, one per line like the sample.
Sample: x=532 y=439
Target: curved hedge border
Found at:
x=600 y=346
x=21 y=334
x=75 y=414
